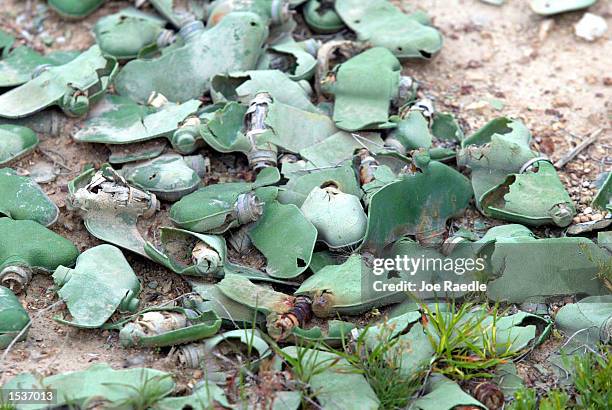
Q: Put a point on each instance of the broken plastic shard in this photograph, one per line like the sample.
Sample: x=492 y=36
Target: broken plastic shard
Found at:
x=550 y=7
x=26 y=247
x=534 y=197
x=603 y=199
x=118 y=120
x=336 y=383
x=321 y=17
x=15 y=142
x=138 y=151
x=445 y=394
x=85 y=388
x=274 y=12
x=290 y=257
x=339 y=217
x=22 y=64
x=205 y=395
x=189 y=253
x=259 y=298
x=168 y=327
x=123 y=35
x=179 y=74
x=418 y=203
x=194 y=254
x=110 y=207
x=74 y=87
x=337 y=289
x=232 y=313
x=22 y=198
x=296 y=59
x=101 y=282
x=412 y=131
x=301 y=182
x=72 y=9
x=381 y=24
x=217 y=208
x=588 y=322
x=506 y=173
x=13 y=318
x=339 y=147
x=196 y=355
x=243 y=87
x=283 y=312
x=558 y=266
x=337 y=334
x=445 y=127
x=169 y=177
x=364 y=87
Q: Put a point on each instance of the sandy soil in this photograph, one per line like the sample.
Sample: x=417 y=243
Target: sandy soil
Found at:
x=559 y=85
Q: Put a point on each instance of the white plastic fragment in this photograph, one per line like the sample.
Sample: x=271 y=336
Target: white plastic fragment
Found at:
x=591 y=27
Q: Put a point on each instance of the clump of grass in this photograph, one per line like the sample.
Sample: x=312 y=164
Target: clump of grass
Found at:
x=145 y=395
x=381 y=364
x=591 y=387
x=465 y=345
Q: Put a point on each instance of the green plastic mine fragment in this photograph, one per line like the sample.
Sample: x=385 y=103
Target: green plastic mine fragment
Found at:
x=22 y=63
x=179 y=74
x=74 y=87
x=321 y=17
x=417 y=204
x=244 y=86
x=217 y=208
x=15 y=142
x=383 y=25
x=169 y=177
x=118 y=120
x=75 y=9
x=21 y=198
x=110 y=207
x=290 y=257
x=84 y=388
x=362 y=98
x=123 y=35
x=338 y=289
x=550 y=7
x=168 y=327
x=27 y=247
x=336 y=383
x=13 y=318
x=101 y=282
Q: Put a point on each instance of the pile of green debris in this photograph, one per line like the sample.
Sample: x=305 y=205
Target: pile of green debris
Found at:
x=351 y=169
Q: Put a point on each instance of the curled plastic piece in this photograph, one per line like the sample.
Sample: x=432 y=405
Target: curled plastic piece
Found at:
x=74 y=87
x=75 y=9
x=217 y=208
x=15 y=142
x=180 y=74
x=364 y=87
x=123 y=35
x=383 y=25
x=13 y=318
x=550 y=7
x=168 y=327
x=321 y=16
x=170 y=177
x=511 y=181
x=118 y=120
x=21 y=198
x=339 y=217
x=101 y=282
x=110 y=207
x=27 y=247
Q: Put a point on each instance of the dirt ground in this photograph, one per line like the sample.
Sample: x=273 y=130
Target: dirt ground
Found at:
x=559 y=85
